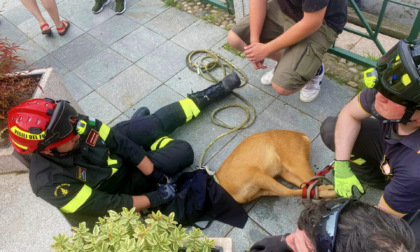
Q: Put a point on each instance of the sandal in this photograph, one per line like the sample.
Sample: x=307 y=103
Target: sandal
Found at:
x=47 y=31
x=63 y=29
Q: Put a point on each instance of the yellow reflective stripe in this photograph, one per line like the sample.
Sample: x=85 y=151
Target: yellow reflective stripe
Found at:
x=397 y=58
x=161 y=142
x=390 y=207
x=80 y=199
x=358 y=161
x=114 y=170
x=418 y=152
x=112 y=161
x=104 y=131
x=190 y=109
x=406 y=79
x=19 y=145
x=20 y=133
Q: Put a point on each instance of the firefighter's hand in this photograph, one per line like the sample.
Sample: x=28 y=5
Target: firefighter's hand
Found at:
x=167 y=192
x=158 y=177
x=345 y=179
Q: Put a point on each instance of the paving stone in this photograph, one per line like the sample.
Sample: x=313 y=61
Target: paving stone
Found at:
x=278 y=215
x=129 y=3
x=9 y=4
x=160 y=97
x=78 y=88
x=128 y=87
x=96 y=106
x=217 y=161
x=101 y=68
x=232 y=58
x=24 y=229
x=119 y=119
x=321 y=156
x=187 y=81
x=50 y=61
x=254 y=76
x=67 y=9
x=235 y=116
x=167 y=60
x=171 y=22
x=79 y=50
x=17 y=15
x=281 y=116
x=54 y=42
x=138 y=44
x=113 y=29
x=8 y=30
x=192 y=37
x=31 y=52
x=86 y=19
x=244 y=238
x=144 y=11
x=331 y=99
x=200 y=132
x=31 y=26
x=217 y=229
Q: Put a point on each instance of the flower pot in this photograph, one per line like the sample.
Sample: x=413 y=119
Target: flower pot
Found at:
x=50 y=86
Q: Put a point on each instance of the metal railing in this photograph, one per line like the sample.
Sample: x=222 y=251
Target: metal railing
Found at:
x=226 y=6
x=373 y=35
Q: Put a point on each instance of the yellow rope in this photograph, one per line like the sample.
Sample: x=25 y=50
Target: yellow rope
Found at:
x=205 y=71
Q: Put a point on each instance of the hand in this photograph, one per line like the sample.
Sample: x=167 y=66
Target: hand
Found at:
x=158 y=177
x=259 y=65
x=256 y=52
x=167 y=192
x=345 y=179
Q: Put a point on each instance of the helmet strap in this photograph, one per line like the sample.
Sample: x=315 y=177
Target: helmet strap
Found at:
x=409 y=111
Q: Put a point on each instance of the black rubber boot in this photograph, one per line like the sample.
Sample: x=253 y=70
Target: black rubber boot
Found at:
x=143 y=111
x=215 y=92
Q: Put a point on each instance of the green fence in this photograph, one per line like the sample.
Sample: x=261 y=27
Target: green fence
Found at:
x=226 y=6
x=373 y=34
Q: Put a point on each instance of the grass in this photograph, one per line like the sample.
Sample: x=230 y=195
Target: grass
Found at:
x=170 y=3
x=229 y=48
x=371 y=56
x=179 y=6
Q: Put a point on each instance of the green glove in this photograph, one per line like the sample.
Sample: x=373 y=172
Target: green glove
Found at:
x=345 y=179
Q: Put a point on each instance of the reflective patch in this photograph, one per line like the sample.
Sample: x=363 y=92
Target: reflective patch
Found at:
x=60 y=189
x=190 y=109
x=405 y=79
x=20 y=133
x=81 y=173
x=92 y=137
x=81 y=127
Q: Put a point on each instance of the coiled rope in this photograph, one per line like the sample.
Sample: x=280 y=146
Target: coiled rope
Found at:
x=203 y=66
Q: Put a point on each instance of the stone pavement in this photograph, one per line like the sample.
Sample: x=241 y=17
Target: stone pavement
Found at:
x=113 y=65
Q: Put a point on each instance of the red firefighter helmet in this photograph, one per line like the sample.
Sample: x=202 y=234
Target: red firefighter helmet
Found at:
x=39 y=124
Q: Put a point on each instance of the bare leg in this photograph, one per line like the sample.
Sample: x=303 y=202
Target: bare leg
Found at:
x=33 y=8
x=51 y=7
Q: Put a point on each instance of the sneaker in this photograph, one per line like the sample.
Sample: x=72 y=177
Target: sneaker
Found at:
x=267 y=78
x=311 y=90
x=120 y=6
x=99 y=5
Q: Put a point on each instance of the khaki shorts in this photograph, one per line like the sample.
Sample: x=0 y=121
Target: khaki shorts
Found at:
x=299 y=63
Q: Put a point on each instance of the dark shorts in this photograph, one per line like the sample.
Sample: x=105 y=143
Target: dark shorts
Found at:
x=299 y=63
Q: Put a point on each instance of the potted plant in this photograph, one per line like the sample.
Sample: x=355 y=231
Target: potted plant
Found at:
x=16 y=87
x=126 y=231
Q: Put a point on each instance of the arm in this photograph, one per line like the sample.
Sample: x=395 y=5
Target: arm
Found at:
x=257 y=12
x=309 y=24
x=348 y=128
x=384 y=207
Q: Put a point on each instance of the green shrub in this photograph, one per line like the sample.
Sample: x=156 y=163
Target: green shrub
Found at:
x=170 y=3
x=126 y=232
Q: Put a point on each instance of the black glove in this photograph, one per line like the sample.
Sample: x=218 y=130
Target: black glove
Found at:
x=158 y=177
x=163 y=195
x=272 y=244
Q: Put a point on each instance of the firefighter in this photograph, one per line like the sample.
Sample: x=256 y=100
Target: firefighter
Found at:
x=81 y=165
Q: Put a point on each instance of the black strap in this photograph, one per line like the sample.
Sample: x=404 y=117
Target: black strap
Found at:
x=409 y=111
